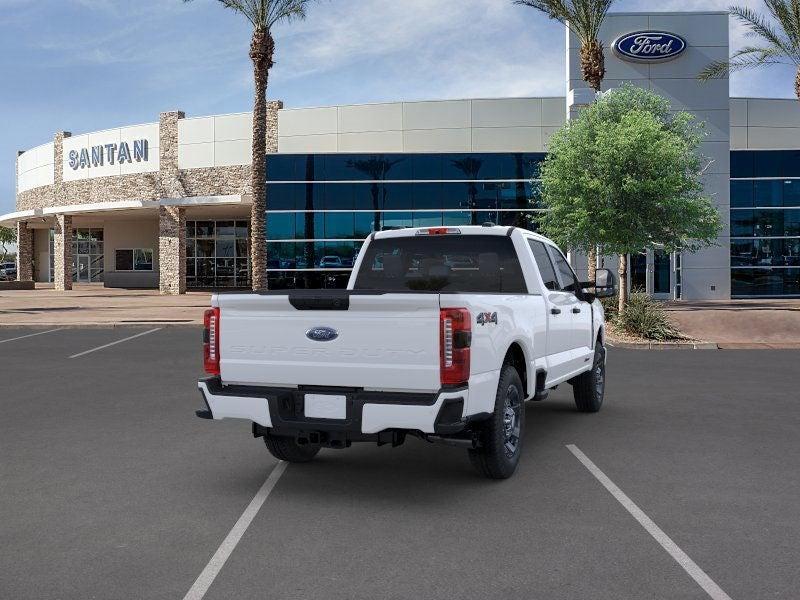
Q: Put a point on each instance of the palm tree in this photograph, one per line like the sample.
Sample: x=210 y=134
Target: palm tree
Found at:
x=780 y=41
x=584 y=19
x=263 y=15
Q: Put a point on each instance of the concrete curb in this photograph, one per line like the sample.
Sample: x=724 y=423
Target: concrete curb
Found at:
x=100 y=325
x=665 y=345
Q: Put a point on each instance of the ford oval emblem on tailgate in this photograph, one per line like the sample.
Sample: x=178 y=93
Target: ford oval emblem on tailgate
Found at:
x=322 y=334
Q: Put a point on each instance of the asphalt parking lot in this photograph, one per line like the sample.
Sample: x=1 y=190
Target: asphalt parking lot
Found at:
x=111 y=488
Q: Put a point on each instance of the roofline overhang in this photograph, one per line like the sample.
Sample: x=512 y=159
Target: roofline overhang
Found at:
x=13 y=218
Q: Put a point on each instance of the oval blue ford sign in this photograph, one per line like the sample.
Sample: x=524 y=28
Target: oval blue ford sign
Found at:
x=649 y=46
x=322 y=334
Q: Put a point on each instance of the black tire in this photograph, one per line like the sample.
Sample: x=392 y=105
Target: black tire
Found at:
x=501 y=435
x=285 y=448
x=589 y=388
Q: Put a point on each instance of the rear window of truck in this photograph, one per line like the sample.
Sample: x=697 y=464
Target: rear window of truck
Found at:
x=445 y=263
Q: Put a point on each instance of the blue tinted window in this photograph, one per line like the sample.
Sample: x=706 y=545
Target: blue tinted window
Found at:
x=791 y=192
x=280 y=226
x=281 y=196
x=339 y=196
x=742 y=164
x=742 y=223
x=281 y=167
x=427 y=195
x=768 y=193
x=396 y=196
x=339 y=225
x=791 y=223
x=741 y=194
x=309 y=225
x=457 y=218
x=765 y=282
x=427 y=219
x=455 y=195
x=768 y=163
x=465 y=166
x=366 y=196
x=397 y=220
x=426 y=166
x=364 y=224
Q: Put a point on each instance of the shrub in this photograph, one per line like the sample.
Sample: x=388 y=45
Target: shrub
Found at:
x=646 y=318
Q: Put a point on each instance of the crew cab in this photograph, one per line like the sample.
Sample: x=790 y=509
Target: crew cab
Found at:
x=443 y=333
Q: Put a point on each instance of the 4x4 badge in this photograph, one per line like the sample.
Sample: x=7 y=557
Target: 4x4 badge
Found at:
x=487 y=317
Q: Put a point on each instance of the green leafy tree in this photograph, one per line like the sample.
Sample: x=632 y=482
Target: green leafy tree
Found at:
x=8 y=236
x=263 y=15
x=584 y=19
x=778 y=40
x=626 y=175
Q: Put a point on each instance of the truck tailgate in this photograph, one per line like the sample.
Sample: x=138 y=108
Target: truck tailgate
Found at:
x=382 y=342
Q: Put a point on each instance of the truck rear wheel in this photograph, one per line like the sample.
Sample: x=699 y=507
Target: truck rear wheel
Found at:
x=285 y=448
x=589 y=388
x=501 y=435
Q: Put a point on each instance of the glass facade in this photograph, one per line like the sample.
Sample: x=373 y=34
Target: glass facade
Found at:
x=765 y=223
x=320 y=207
x=217 y=254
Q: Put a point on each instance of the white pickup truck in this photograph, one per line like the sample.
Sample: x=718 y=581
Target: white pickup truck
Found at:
x=442 y=333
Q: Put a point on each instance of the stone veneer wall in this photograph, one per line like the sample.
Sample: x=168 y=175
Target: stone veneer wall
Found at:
x=169 y=182
x=62 y=250
x=24 y=252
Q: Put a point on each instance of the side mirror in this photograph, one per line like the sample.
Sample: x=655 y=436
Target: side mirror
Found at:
x=605 y=284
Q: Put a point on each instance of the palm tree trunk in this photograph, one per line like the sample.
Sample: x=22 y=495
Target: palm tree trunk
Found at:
x=592 y=258
x=623 y=281
x=261 y=51
x=593 y=67
x=797 y=84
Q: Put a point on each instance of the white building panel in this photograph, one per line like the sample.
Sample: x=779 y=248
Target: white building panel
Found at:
x=690 y=94
x=739 y=138
x=507 y=139
x=308 y=121
x=370 y=117
x=196 y=131
x=303 y=144
x=371 y=141
x=195 y=156
x=716 y=122
x=234 y=152
x=437 y=140
x=698 y=29
x=554 y=111
x=445 y=114
x=508 y=112
x=738 y=108
x=773 y=113
x=770 y=138
x=237 y=126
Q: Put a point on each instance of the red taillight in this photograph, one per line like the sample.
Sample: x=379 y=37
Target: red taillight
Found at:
x=455 y=338
x=211 y=341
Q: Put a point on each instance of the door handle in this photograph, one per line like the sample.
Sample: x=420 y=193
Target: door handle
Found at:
x=576 y=310
x=555 y=311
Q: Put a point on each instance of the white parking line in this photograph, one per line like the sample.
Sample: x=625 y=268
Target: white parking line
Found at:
x=695 y=572
x=206 y=578
x=22 y=337
x=115 y=343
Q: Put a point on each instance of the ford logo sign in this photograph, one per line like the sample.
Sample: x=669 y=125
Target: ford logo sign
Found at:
x=649 y=46
x=322 y=334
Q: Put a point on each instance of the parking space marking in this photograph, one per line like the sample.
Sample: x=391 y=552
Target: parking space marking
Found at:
x=688 y=565
x=115 y=343
x=22 y=337
x=206 y=578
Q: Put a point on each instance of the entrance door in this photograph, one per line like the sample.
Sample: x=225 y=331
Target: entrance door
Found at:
x=83 y=269
x=662 y=273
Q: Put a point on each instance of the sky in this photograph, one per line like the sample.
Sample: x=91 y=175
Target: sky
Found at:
x=86 y=65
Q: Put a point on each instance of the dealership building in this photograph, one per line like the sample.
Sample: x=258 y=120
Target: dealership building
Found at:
x=167 y=204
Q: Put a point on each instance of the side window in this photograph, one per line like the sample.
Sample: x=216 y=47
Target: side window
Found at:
x=545 y=265
x=565 y=272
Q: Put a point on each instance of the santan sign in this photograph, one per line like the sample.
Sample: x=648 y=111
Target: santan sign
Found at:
x=97 y=156
x=649 y=46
